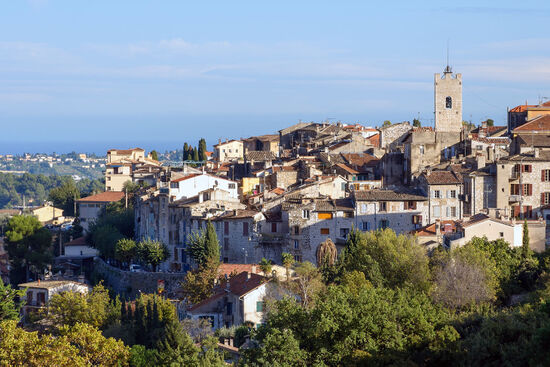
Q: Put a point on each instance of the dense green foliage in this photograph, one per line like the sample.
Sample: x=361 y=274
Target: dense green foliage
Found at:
x=10 y=302
x=386 y=302
x=29 y=247
x=114 y=224
x=36 y=188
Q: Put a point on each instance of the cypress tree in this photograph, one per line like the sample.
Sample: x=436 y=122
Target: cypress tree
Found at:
x=202 y=149
x=195 y=155
x=212 y=245
x=526 y=240
x=185 y=151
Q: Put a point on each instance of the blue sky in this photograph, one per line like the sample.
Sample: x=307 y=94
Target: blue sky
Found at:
x=75 y=73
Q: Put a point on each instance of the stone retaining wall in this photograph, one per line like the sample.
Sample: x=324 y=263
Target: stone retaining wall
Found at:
x=129 y=284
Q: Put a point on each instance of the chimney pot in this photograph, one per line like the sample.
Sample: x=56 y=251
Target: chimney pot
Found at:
x=248 y=275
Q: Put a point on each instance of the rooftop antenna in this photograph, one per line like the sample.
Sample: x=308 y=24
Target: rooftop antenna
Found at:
x=448 y=68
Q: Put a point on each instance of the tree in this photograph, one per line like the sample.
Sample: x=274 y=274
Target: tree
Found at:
x=125 y=250
x=96 y=308
x=154 y=155
x=202 y=149
x=287 y=259
x=265 y=266
x=326 y=253
x=490 y=122
x=417 y=123
x=10 y=302
x=152 y=252
x=176 y=348
x=204 y=247
x=386 y=123
x=199 y=283
x=459 y=284
x=525 y=241
x=29 y=247
x=185 y=151
x=64 y=197
x=307 y=283
x=279 y=349
x=196 y=155
x=386 y=259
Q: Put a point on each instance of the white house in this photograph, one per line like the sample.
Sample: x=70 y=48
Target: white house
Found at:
x=236 y=301
x=190 y=185
x=78 y=248
x=39 y=292
x=90 y=207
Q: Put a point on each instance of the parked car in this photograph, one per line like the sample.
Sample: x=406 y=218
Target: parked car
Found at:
x=136 y=268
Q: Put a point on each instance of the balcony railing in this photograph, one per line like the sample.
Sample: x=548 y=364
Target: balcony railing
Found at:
x=515 y=198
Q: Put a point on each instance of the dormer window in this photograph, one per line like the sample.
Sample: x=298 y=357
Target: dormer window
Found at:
x=448 y=102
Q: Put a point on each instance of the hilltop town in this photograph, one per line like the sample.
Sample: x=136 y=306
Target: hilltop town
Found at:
x=256 y=235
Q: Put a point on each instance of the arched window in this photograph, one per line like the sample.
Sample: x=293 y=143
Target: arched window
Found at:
x=448 y=102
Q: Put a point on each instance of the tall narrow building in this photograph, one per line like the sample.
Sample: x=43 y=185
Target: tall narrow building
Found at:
x=448 y=102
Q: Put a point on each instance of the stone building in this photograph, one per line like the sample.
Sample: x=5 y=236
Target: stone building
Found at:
x=444 y=190
x=523 y=184
x=229 y=150
x=377 y=209
x=393 y=136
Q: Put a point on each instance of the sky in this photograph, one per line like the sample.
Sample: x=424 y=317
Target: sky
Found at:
x=87 y=76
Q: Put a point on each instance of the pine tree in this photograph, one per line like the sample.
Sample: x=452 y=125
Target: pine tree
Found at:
x=185 y=151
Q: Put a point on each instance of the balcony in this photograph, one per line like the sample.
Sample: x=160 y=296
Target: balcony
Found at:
x=514 y=198
x=514 y=176
x=274 y=238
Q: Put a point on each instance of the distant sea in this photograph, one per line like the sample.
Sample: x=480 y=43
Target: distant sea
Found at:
x=97 y=147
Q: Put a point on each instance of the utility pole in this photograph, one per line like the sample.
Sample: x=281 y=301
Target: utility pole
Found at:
x=126 y=197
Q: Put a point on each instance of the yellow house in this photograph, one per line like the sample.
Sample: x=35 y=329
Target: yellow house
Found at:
x=249 y=184
x=47 y=213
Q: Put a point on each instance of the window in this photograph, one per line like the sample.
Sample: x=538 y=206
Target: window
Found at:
x=245 y=228
x=29 y=297
x=273 y=227
x=452 y=194
x=348 y=214
x=41 y=298
x=324 y=215
x=417 y=219
x=259 y=306
x=231 y=185
x=366 y=226
x=409 y=205
x=344 y=232
x=384 y=224
x=453 y=211
x=297 y=258
x=448 y=102
x=226 y=244
x=421 y=149
x=545 y=175
x=226 y=228
x=514 y=189
x=437 y=194
x=325 y=231
x=343 y=186
x=296 y=244
x=225 y=260
x=229 y=308
x=437 y=211
x=479 y=147
x=527 y=189
x=174 y=185
x=363 y=208
x=526 y=168
x=305 y=214
x=295 y=229
x=383 y=206
x=501 y=234
x=527 y=211
x=545 y=198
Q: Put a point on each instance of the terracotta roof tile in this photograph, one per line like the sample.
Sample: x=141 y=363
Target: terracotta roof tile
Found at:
x=104 y=197
x=386 y=195
x=538 y=124
x=442 y=178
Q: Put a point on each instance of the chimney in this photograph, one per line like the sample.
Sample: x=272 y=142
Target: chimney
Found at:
x=254 y=269
x=38 y=281
x=480 y=159
x=219 y=141
x=248 y=275
x=484 y=124
x=536 y=153
x=201 y=197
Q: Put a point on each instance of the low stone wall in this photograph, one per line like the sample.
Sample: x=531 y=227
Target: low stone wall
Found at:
x=129 y=284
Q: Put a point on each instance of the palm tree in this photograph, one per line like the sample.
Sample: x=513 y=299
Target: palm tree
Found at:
x=265 y=266
x=287 y=260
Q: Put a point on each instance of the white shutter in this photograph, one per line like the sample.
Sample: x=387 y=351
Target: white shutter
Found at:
x=448 y=211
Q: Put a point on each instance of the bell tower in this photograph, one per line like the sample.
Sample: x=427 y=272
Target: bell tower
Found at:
x=448 y=101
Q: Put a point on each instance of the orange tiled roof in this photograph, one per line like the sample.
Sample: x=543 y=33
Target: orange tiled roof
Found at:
x=522 y=108
x=125 y=151
x=429 y=230
x=104 y=197
x=540 y=123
